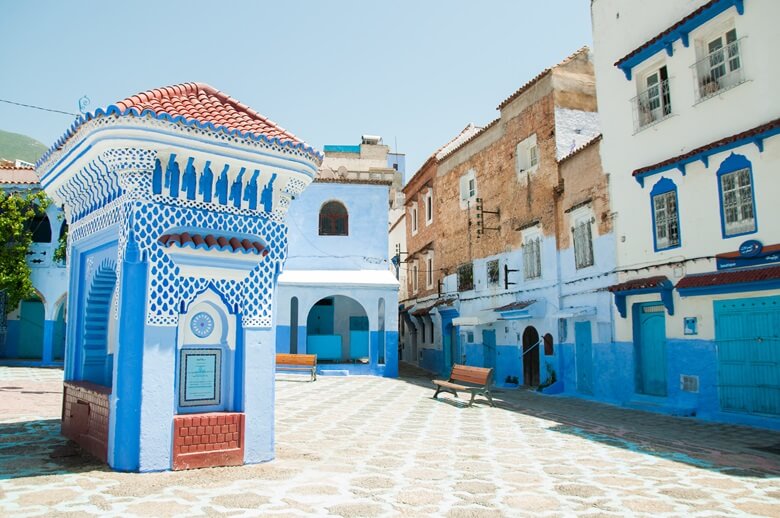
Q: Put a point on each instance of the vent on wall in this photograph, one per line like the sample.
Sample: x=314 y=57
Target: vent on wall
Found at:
x=689 y=383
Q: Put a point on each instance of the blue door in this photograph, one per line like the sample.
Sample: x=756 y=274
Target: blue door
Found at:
x=489 y=343
x=747 y=334
x=31 y=318
x=650 y=348
x=583 y=346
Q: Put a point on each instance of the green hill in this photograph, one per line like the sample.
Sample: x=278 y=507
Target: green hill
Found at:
x=14 y=146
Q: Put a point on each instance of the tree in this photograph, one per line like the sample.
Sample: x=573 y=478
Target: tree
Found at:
x=16 y=209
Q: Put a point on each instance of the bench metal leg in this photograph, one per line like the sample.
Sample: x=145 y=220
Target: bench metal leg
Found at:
x=489 y=397
x=473 y=395
x=436 y=394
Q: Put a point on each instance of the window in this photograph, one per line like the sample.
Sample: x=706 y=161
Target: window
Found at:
x=429 y=271
x=527 y=155
x=737 y=203
x=466 y=277
x=720 y=64
x=583 y=243
x=654 y=101
x=468 y=188
x=532 y=256
x=493 y=272
x=334 y=219
x=666 y=219
x=429 y=207
x=414 y=277
x=40 y=228
x=414 y=218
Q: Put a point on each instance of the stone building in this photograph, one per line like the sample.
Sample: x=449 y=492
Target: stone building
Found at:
x=498 y=208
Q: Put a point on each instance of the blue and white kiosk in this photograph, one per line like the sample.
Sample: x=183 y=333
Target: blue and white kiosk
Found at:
x=176 y=200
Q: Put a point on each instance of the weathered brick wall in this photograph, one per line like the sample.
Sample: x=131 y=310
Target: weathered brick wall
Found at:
x=584 y=180
x=415 y=191
x=85 y=413
x=207 y=440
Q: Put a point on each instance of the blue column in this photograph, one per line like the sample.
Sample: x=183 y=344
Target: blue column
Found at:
x=48 y=342
x=125 y=419
x=391 y=354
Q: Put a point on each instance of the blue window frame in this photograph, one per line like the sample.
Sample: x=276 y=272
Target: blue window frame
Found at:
x=665 y=214
x=736 y=197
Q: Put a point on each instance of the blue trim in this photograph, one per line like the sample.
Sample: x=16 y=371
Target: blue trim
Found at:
x=663 y=186
x=757 y=140
x=664 y=289
x=114 y=110
x=731 y=164
x=666 y=42
x=737 y=287
x=47 y=178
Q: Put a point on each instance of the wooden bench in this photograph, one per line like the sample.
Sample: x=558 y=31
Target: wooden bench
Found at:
x=479 y=381
x=299 y=363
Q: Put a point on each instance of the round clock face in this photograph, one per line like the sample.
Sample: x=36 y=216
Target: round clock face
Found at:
x=202 y=325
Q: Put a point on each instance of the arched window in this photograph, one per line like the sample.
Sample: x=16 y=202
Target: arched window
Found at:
x=40 y=228
x=334 y=219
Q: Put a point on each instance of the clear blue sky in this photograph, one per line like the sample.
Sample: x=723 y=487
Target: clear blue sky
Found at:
x=415 y=72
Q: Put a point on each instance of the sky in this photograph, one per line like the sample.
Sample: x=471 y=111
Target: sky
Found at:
x=415 y=72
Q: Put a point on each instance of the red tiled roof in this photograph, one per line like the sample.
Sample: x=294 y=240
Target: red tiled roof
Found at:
x=703 y=280
x=539 y=76
x=713 y=145
x=209 y=242
x=639 y=284
x=664 y=33
x=514 y=306
x=206 y=104
x=18 y=175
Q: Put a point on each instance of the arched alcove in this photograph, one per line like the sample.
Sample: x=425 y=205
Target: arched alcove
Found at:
x=530 y=357
x=96 y=361
x=337 y=330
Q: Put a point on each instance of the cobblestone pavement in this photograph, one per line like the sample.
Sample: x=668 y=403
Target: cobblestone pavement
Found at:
x=363 y=446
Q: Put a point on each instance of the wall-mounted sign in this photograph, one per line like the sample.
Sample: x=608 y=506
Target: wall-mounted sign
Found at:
x=200 y=377
x=750 y=248
x=750 y=253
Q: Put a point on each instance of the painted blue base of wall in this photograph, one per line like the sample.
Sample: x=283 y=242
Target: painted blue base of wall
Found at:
x=432 y=360
x=614 y=381
x=351 y=369
x=9 y=348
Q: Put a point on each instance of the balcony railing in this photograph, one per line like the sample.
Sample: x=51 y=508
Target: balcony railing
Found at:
x=652 y=105
x=719 y=70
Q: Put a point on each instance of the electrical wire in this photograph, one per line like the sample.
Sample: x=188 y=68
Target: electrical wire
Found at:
x=34 y=107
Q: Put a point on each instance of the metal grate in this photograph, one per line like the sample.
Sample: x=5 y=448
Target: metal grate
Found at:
x=689 y=383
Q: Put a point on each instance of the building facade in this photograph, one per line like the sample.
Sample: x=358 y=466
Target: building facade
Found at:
x=337 y=295
x=500 y=291
x=687 y=97
x=34 y=333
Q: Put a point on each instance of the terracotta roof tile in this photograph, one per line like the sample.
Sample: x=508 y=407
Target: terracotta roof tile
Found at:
x=209 y=242
x=18 y=175
x=514 y=306
x=712 y=145
x=639 y=284
x=704 y=280
x=206 y=104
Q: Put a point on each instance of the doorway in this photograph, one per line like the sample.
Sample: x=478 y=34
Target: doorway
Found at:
x=650 y=348
x=531 y=357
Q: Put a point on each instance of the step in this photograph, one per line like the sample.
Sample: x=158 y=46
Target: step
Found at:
x=333 y=372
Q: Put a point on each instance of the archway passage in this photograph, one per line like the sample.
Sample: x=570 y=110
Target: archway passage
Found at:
x=31 y=322
x=337 y=330
x=96 y=362
x=531 y=357
x=58 y=341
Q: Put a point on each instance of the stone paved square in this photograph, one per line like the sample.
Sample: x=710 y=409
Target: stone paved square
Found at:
x=368 y=446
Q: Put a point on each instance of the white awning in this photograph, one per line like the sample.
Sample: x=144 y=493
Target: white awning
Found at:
x=473 y=321
x=574 y=312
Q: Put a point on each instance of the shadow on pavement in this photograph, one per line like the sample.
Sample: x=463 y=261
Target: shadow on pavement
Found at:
x=36 y=448
x=728 y=449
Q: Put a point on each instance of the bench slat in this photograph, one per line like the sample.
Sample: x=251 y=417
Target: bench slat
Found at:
x=296 y=359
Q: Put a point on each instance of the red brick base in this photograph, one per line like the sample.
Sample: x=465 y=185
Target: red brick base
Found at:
x=85 y=416
x=208 y=440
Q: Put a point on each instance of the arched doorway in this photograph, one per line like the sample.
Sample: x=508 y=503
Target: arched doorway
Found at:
x=32 y=314
x=337 y=330
x=97 y=364
x=530 y=357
